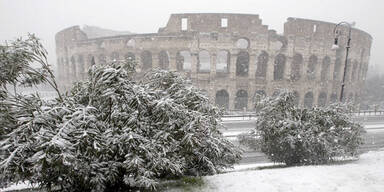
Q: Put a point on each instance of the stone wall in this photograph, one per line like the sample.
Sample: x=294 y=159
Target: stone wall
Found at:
x=231 y=57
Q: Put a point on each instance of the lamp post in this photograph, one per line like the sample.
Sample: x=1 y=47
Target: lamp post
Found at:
x=336 y=46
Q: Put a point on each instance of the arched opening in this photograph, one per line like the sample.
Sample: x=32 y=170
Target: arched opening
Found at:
x=242 y=64
x=204 y=61
x=222 y=99
x=297 y=61
x=296 y=98
x=222 y=62
x=325 y=68
x=115 y=56
x=130 y=57
x=102 y=59
x=336 y=71
x=333 y=98
x=262 y=63
x=322 y=100
x=279 y=67
x=183 y=61
x=163 y=60
x=258 y=96
x=146 y=60
x=241 y=100
x=73 y=67
x=131 y=43
x=242 y=43
x=308 y=100
x=311 y=70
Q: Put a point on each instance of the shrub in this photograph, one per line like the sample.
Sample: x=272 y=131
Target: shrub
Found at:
x=294 y=136
x=112 y=133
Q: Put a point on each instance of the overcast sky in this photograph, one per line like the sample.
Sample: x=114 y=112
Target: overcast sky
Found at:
x=46 y=17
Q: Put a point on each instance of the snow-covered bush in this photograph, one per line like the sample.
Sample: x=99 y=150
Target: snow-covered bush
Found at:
x=293 y=135
x=112 y=133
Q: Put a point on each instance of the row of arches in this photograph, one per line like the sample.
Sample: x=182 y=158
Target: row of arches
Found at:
x=241 y=98
x=184 y=62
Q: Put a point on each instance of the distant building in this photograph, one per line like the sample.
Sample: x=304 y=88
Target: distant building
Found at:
x=231 y=57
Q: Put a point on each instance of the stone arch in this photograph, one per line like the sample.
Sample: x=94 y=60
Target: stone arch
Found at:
x=222 y=99
x=259 y=94
x=322 y=100
x=296 y=98
x=311 y=69
x=115 y=56
x=336 y=71
x=222 y=61
x=297 y=61
x=130 y=57
x=163 y=60
x=279 y=67
x=242 y=43
x=102 y=59
x=308 y=100
x=146 y=60
x=183 y=61
x=241 y=100
x=333 y=98
x=242 y=64
x=325 y=68
x=73 y=67
x=204 y=61
x=131 y=43
x=262 y=63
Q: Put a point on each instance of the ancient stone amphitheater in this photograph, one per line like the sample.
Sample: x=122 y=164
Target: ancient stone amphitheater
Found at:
x=231 y=57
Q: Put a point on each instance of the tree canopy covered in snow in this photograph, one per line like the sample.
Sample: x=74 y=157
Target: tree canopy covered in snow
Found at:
x=286 y=133
x=110 y=132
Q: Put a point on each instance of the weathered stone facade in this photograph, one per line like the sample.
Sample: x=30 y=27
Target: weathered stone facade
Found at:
x=231 y=57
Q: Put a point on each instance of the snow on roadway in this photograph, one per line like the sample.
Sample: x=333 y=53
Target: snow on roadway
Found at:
x=363 y=175
x=235 y=133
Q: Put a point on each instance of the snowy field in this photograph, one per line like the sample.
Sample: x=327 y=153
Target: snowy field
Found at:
x=363 y=175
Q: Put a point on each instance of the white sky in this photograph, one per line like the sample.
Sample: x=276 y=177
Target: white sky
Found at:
x=46 y=17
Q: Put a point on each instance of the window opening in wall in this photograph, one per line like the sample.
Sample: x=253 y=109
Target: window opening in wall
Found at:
x=314 y=28
x=222 y=62
x=224 y=22
x=242 y=43
x=184 y=24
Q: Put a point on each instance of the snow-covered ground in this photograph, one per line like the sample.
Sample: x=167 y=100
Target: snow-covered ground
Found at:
x=363 y=175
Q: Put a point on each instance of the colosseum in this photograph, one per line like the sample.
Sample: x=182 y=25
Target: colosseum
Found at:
x=231 y=57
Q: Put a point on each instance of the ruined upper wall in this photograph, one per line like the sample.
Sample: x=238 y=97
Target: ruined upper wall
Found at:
x=320 y=32
x=69 y=35
x=212 y=22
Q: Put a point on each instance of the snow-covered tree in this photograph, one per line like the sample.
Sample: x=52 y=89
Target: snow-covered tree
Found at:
x=112 y=133
x=286 y=133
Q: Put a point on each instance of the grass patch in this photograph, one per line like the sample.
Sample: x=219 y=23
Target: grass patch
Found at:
x=183 y=184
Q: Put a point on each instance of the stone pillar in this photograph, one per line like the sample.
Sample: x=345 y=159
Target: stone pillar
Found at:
x=194 y=65
x=213 y=65
x=232 y=66
x=252 y=65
